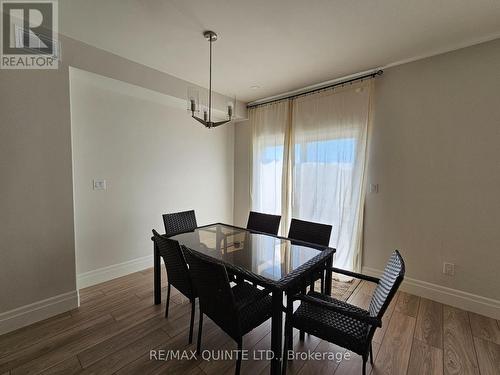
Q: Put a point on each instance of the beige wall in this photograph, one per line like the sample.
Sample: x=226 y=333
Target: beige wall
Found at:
x=155 y=159
x=37 y=252
x=37 y=256
x=435 y=150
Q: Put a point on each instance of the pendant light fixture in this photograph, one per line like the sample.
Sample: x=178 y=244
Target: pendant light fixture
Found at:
x=193 y=102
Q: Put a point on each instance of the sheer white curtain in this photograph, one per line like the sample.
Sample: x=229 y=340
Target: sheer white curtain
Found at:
x=309 y=157
x=329 y=143
x=270 y=128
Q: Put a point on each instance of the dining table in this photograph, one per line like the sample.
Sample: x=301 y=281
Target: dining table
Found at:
x=279 y=264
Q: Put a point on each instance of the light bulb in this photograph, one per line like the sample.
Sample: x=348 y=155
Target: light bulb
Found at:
x=193 y=100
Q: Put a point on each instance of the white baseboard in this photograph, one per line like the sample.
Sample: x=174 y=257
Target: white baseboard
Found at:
x=103 y=274
x=34 y=312
x=453 y=297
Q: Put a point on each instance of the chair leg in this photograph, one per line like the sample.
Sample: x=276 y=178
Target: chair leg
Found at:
x=192 y=321
x=289 y=333
x=168 y=300
x=285 y=353
x=288 y=323
x=302 y=334
x=322 y=284
x=200 y=327
x=371 y=354
x=288 y=342
x=238 y=361
x=364 y=365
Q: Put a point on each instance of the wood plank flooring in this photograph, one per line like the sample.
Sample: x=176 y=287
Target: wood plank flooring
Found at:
x=117 y=325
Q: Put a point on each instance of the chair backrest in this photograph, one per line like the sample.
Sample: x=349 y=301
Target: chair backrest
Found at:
x=263 y=222
x=308 y=231
x=179 y=222
x=175 y=263
x=214 y=290
x=392 y=277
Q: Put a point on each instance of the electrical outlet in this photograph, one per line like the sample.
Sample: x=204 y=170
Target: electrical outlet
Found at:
x=99 y=184
x=448 y=269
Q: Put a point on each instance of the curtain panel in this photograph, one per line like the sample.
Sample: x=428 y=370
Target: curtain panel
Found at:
x=309 y=162
x=270 y=165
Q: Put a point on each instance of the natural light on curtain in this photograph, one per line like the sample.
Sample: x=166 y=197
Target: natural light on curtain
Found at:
x=269 y=127
x=309 y=157
x=329 y=141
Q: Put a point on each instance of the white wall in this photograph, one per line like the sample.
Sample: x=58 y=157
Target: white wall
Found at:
x=435 y=153
x=37 y=251
x=155 y=159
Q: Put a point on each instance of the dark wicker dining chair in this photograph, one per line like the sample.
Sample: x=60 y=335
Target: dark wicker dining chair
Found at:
x=314 y=233
x=266 y=223
x=236 y=310
x=311 y=232
x=179 y=222
x=339 y=322
x=177 y=273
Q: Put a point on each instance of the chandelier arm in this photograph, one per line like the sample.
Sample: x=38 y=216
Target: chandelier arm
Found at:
x=218 y=123
x=201 y=121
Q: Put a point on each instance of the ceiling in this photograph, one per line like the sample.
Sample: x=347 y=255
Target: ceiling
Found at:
x=277 y=45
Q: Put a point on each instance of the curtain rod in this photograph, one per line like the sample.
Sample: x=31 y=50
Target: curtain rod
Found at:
x=351 y=80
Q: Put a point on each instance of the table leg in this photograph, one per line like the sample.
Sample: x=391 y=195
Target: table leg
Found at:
x=157 y=275
x=328 y=276
x=276 y=331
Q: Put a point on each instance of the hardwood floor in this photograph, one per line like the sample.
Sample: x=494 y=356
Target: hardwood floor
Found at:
x=117 y=325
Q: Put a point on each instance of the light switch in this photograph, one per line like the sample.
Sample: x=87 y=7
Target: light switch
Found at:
x=100 y=184
x=373 y=188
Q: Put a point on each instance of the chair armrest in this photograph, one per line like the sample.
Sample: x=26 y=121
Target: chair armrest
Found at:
x=355 y=274
x=260 y=295
x=340 y=310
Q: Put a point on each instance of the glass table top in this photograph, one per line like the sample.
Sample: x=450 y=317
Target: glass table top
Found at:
x=264 y=255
